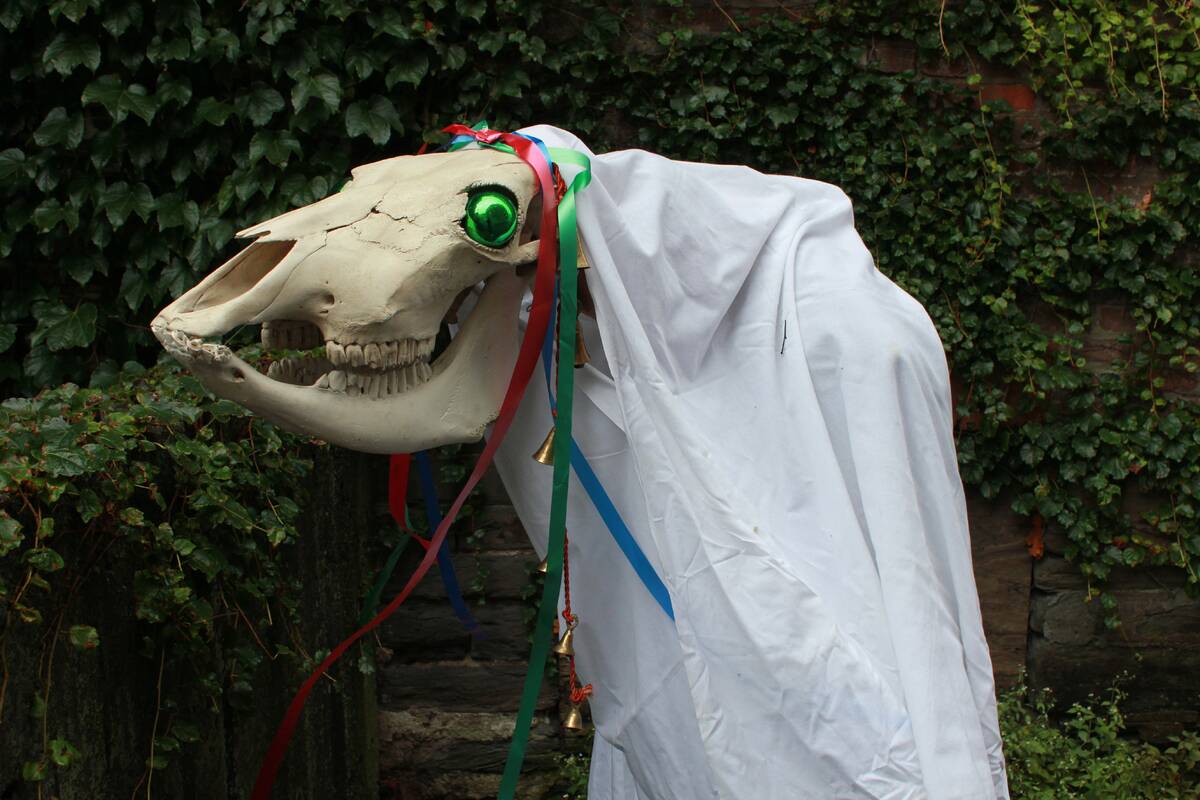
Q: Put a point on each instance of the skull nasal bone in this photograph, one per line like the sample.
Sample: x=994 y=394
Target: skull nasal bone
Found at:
x=244 y=274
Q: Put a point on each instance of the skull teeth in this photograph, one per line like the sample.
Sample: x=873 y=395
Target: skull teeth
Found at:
x=379 y=355
x=290 y=335
x=376 y=384
x=371 y=369
x=298 y=370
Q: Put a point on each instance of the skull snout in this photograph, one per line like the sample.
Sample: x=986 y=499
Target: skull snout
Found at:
x=236 y=293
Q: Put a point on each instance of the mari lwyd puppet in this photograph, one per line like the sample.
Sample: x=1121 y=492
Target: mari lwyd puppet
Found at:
x=769 y=415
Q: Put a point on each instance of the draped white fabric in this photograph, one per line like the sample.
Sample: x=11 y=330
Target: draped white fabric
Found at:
x=771 y=416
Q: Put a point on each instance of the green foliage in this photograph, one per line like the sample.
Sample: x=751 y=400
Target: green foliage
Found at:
x=143 y=135
x=154 y=472
x=571 y=780
x=1088 y=756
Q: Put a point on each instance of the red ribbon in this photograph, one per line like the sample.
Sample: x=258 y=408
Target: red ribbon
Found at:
x=535 y=333
x=398 y=487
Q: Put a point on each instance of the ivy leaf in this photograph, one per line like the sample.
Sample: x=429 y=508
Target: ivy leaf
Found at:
x=186 y=732
x=260 y=104
x=51 y=212
x=41 y=366
x=65 y=53
x=63 y=462
x=12 y=162
x=455 y=56
x=119 y=20
x=135 y=288
x=44 y=559
x=8 y=335
x=34 y=771
x=160 y=51
x=177 y=91
x=213 y=111
x=10 y=534
x=62 y=328
x=375 y=122
x=360 y=63
x=59 y=127
x=73 y=10
x=119 y=200
x=82 y=637
x=473 y=9
x=62 y=752
x=277 y=146
x=120 y=100
x=411 y=69
x=783 y=115
x=82 y=268
x=174 y=212
x=327 y=88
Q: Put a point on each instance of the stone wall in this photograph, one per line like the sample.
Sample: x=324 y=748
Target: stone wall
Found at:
x=447 y=701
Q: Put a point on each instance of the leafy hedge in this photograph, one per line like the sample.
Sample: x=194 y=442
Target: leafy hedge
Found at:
x=194 y=491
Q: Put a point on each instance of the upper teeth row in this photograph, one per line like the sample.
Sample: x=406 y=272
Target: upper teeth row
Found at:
x=379 y=355
x=290 y=335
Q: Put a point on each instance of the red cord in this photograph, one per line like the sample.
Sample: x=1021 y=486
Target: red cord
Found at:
x=578 y=693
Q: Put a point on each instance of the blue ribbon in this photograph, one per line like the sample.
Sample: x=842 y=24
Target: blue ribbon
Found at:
x=620 y=532
x=603 y=503
x=445 y=565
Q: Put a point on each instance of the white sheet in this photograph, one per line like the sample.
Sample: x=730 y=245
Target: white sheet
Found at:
x=772 y=418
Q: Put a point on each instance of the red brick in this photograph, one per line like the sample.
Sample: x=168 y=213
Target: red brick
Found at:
x=1019 y=96
x=1100 y=356
x=1114 y=318
x=891 y=56
x=1181 y=383
x=942 y=68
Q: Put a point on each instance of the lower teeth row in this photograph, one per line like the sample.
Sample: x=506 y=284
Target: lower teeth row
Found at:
x=378 y=384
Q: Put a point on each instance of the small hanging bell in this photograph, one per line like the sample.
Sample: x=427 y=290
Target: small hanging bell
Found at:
x=581 y=261
x=581 y=353
x=545 y=453
x=544 y=566
x=573 y=721
x=566 y=645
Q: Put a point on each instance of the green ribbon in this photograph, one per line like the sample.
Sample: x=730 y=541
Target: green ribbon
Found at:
x=371 y=603
x=568 y=281
x=568 y=244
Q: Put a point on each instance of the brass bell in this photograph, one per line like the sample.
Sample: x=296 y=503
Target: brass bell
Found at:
x=566 y=646
x=581 y=353
x=544 y=566
x=573 y=721
x=581 y=261
x=545 y=453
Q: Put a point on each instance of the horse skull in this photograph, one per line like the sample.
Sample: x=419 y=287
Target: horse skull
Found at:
x=371 y=273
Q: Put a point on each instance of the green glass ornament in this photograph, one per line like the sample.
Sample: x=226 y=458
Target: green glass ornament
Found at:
x=491 y=217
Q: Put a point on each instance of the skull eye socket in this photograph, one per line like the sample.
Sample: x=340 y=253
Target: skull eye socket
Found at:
x=491 y=217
